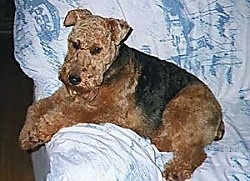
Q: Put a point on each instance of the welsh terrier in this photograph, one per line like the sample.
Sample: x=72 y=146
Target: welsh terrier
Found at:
x=107 y=81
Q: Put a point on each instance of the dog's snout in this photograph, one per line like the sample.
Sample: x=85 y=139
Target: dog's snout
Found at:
x=74 y=80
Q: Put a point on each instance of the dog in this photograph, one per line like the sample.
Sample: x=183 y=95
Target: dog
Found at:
x=107 y=81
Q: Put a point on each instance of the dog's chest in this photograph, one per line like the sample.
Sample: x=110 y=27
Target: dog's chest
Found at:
x=115 y=103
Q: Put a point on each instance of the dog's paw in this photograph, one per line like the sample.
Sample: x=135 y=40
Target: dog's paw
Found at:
x=177 y=175
x=29 y=139
x=33 y=135
x=176 y=178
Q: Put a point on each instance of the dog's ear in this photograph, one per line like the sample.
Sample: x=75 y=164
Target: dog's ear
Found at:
x=120 y=30
x=75 y=15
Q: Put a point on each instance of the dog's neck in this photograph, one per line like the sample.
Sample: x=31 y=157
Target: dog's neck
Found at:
x=120 y=66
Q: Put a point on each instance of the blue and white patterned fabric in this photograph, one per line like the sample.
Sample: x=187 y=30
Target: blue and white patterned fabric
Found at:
x=209 y=38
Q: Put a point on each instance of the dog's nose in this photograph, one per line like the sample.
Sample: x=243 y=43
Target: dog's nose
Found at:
x=74 y=80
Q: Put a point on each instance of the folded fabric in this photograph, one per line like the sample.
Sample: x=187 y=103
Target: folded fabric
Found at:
x=103 y=153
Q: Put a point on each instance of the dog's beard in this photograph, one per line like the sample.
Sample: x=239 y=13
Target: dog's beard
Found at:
x=88 y=94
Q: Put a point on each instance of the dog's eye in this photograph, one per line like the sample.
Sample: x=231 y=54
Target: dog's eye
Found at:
x=76 y=45
x=95 y=50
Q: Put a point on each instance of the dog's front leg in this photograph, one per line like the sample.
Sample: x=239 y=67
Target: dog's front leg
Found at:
x=38 y=114
x=43 y=129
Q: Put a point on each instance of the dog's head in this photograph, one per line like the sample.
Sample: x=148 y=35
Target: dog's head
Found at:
x=93 y=45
